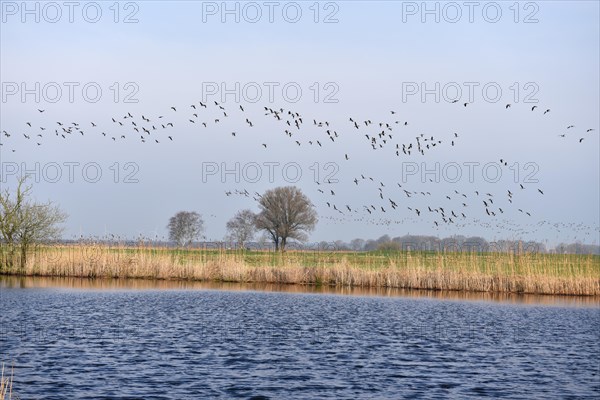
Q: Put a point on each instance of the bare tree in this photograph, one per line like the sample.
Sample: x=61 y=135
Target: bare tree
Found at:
x=262 y=241
x=357 y=244
x=286 y=213
x=242 y=227
x=24 y=222
x=185 y=227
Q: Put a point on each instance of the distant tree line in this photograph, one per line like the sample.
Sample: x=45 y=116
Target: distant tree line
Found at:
x=576 y=248
x=461 y=243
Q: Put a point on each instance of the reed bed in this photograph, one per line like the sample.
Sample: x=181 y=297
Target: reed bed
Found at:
x=553 y=274
x=6 y=384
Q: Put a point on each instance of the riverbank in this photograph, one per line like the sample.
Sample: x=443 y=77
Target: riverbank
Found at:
x=549 y=274
x=140 y=284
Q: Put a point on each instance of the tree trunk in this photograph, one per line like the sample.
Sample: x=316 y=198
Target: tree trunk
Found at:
x=8 y=255
x=283 y=240
x=7 y=251
x=23 y=257
x=11 y=256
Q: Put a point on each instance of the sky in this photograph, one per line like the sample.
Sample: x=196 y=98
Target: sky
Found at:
x=90 y=62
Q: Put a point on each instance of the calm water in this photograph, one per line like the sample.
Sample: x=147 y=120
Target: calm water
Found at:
x=200 y=343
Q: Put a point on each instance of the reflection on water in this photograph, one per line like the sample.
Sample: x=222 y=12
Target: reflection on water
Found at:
x=155 y=284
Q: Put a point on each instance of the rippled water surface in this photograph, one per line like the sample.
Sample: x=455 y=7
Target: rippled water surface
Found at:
x=199 y=343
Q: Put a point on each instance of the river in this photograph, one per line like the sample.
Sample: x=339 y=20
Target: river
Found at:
x=74 y=338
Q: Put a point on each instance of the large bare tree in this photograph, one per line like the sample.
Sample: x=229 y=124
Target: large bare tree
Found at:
x=286 y=213
x=24 y=222
x=241 y=227
x=185 y=227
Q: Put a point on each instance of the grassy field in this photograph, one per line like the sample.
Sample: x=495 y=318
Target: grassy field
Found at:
x=534 y=273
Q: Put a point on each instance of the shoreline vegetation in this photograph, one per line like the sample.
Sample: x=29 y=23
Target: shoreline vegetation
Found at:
x=520 y=273
x=6 y=383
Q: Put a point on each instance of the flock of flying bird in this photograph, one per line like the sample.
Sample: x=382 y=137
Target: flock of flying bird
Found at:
x=130 y=127
x=451 y=209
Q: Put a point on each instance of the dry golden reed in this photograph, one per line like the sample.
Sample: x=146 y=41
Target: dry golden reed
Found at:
x=557 y=274
x=6 y=383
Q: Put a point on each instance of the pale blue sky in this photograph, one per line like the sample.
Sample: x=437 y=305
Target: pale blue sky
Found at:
x=368 y=54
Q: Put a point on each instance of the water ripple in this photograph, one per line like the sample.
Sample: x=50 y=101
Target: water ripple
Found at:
x=261 y=345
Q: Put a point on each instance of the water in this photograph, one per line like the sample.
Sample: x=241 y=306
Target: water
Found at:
x=200 y=343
